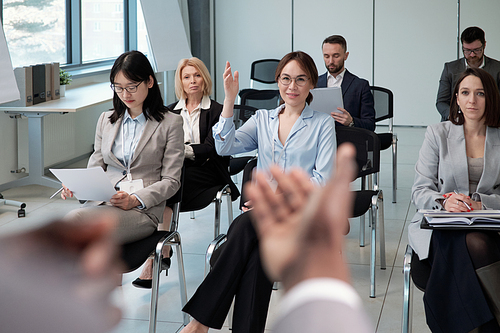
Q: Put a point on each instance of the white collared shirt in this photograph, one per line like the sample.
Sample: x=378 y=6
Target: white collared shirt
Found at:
x=191 y=121
x=128 y=136
x=335 y=81
x=482 y=64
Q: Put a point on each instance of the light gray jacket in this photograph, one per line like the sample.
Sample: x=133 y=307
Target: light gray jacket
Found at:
x=442 y=168
x=157 y=159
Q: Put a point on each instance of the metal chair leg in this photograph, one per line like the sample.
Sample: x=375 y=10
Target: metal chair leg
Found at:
x=191 y=215
x=381 y=229
x=172 y=239
x=406 y=322
x=362 y=219
x=373 y=247
x=394 y=167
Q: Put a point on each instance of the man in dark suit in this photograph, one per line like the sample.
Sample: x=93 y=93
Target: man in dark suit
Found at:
x=473 y=45
x=358 y=108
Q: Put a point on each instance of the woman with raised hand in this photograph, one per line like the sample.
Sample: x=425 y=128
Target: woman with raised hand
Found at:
x=139 y=145
x=290 y=136
x=458 y=170
x=204 y=168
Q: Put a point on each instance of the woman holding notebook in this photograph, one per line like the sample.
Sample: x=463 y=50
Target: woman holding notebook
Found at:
x=458 y=170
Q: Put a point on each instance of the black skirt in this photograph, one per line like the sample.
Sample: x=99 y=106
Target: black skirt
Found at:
x=454 y=300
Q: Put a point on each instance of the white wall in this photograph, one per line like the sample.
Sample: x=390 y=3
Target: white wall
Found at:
x=413 y=40
x=246 y=31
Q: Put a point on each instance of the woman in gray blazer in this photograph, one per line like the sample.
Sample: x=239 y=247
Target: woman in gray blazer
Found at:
x=139 y=144
x=458 y=170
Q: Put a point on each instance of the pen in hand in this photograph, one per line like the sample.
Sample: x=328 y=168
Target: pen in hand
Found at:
x=465 y=203
x=58 y=191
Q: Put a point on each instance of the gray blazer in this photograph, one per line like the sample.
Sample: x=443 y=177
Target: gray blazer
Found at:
x=157 y=159
x=442 y=167
x=449 y=77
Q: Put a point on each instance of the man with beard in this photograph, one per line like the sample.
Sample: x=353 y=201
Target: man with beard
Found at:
x=473 y=45
x=358 y=108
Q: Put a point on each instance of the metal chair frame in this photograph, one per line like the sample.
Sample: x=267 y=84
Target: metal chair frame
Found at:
x=389 y=115
x=406 y=322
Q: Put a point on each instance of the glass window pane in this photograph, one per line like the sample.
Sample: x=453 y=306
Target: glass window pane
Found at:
x=142 y=44
x=102 y=29
x=35 y=31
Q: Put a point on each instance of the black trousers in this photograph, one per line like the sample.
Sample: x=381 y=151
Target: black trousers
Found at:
x=454 y=300
x=237 y=273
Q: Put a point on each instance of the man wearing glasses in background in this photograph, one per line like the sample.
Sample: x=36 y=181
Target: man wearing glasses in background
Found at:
x=358 y=108
x=473 y=45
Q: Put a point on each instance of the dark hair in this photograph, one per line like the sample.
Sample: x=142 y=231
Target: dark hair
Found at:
x=305 y=62
x=336 y=39
x=492 y=106
x=472 y=34
x=136 y=67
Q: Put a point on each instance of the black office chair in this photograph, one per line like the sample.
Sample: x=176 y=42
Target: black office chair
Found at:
x=263 y=71
x=242 y=113
x=213 y=194
x=136 y=253
x=368 y=159
x=21 y=211
x=260 y=99
x=384 y=109
x=418 y=271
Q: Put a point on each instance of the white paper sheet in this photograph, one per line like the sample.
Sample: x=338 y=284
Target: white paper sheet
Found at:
x=327 y=100
x=86 y=184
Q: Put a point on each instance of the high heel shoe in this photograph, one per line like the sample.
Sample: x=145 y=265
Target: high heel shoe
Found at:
x=148 y=283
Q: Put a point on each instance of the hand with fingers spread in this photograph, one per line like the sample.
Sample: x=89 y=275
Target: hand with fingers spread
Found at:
x=300 y=227
x=77 y=267
x=231 y=89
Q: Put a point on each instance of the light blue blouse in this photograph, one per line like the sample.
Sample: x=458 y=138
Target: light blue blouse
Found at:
x=311 y=144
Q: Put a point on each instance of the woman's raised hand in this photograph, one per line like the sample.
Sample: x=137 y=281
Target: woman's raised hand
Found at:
x=231 y=84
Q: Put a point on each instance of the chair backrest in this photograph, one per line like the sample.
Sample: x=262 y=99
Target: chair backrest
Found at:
x=384 y=103
x=261 y=99
x=367 y=148
x=244 y=113
x=263 y=71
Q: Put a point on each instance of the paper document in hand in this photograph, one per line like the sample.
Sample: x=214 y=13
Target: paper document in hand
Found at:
x=327 y=100
x=86 y=184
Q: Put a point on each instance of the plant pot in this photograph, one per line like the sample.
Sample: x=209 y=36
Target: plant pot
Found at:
x=62 y=91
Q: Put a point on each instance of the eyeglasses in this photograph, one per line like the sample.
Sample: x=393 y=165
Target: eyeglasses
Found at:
x=299 y=80
x=130 y=89
x=476 y=51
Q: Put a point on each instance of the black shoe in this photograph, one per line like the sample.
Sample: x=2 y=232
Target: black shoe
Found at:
x=148 y=283
x=140 y=283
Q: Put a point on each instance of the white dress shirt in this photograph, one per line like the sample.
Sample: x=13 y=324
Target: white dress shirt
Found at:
x=335 y=81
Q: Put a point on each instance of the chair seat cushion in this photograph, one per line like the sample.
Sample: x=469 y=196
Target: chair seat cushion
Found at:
x=362 y=202
x=385 y=140
x=135 y=254
x=202 y=200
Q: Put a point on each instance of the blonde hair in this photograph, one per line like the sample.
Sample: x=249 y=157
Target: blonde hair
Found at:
x=200 y=67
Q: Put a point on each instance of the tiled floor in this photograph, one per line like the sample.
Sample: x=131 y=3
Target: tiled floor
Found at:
x=384 y=310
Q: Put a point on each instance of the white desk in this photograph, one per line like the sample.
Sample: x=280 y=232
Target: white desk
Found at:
x=76 y=99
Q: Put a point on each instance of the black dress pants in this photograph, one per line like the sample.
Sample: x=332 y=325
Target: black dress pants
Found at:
x=237 y=273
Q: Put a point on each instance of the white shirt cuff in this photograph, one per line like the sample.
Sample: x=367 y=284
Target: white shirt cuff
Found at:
x=319 y=289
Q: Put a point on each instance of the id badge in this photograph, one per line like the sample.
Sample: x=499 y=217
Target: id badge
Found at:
x=130 y=186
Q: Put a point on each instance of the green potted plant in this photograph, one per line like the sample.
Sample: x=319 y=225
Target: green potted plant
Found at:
x=64 y=79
